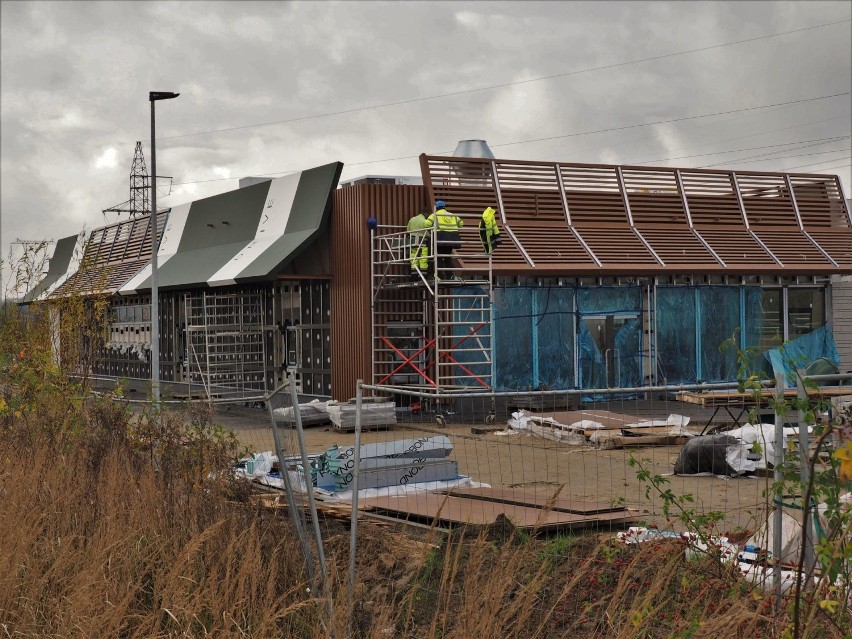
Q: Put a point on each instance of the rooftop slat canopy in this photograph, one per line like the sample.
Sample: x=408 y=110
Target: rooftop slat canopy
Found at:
x=113 y=255
x=564 y=218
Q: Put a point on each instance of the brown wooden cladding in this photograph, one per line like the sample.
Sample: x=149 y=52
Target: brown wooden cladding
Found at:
x=113 y=255
x=566 y=218
x=793 y=249
x=350 y=263
x=711 y=198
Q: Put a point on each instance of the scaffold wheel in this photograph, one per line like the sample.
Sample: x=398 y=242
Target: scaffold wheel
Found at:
x=490 y=418
x=439 y=419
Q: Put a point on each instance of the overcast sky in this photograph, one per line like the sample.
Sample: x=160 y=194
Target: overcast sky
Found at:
x=272 y=87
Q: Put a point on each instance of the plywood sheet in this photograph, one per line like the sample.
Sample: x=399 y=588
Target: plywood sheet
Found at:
x=526 y=498
x=458 y=510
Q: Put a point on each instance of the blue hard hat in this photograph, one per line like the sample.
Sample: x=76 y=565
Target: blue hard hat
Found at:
x=440 y=204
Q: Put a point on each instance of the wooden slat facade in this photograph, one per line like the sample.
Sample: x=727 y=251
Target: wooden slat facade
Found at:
x=568 y=219
x=112 y=256
x=351 y=290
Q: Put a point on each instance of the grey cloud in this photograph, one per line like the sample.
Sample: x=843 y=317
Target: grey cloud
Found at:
x=239 y=64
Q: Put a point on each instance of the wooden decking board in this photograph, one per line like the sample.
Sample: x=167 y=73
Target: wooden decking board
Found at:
x=459 y=510
x=524 y=498
x=733 y=398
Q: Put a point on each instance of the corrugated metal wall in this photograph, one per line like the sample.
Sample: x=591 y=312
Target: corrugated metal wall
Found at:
x=351 y=333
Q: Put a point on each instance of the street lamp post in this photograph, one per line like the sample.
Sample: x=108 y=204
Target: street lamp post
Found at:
x=153 y=96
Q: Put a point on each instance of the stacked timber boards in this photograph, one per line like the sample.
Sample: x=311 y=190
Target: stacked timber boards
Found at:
x=482 y=506
x=373 y=415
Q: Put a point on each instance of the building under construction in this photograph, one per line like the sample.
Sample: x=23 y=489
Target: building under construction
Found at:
x=607 y=276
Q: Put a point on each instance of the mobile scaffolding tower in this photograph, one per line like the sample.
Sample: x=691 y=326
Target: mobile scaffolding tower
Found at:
x=226 y=350
x=432 y=329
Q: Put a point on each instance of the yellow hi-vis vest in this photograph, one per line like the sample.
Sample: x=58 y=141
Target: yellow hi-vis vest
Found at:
x=489 y=232
x=443 y=220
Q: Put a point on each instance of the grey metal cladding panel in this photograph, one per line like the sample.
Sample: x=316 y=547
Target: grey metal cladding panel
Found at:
x=241 y=209
x=194 y=268
x=312 y=203
x=282 y=251
x=58 y=266
x=309 y=217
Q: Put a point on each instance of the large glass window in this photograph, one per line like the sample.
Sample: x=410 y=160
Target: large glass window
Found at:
x=610 y=337
x=534 y=337
x=764 y=326
x=718 y=328
x=554 y=329
x=513 y=351
x=805 y=310
x=675 y=334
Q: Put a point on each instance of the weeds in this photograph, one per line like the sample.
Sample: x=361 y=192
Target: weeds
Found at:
x=114 y=524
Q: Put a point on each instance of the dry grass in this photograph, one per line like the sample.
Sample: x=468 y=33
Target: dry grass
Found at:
x=116 y=527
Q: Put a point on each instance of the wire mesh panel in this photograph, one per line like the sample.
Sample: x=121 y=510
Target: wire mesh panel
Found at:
x=581 y=471
x=694 y=464
x=512 y=452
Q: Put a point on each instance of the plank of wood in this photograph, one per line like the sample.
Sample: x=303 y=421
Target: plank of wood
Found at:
x=607 y=418
x=449 y=509
x=734 y=398
x=526 y=498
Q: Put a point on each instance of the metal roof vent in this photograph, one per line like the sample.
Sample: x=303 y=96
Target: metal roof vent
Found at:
x=473 y=149
x=472 y=173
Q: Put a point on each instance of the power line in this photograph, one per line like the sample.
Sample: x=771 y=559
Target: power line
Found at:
x=750 y=148
x=780 y=157
x=828 y=168
x=732 y=139
x=555 y=137
x=766 y=155
x=691 y=117
x=502 y=85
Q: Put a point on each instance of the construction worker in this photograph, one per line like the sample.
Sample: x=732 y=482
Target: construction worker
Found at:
x=489 y=232
x=418 y=229
x=446 y=226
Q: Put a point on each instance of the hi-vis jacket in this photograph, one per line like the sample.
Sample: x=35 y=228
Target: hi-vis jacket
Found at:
x=443 y=220
x=489 y=232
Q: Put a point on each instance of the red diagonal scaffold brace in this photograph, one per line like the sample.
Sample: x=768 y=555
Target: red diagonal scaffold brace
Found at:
x=452 y=359
x=407 y=361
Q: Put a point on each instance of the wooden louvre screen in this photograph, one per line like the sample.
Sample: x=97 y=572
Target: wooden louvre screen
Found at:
x=112 y=256
x=711 y=198
x=793 y=248
x=654 y=197
x=820 y=202
x=766 y=200
x=577 y=218
x=593 y=195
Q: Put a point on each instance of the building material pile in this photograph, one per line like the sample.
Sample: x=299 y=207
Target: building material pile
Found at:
x=313 y=413
x=395 y=463
x=484 y=505
x=736 y=452
x=373 y=414
x=602 y=429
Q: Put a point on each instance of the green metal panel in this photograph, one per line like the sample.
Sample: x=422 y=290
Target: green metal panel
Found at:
x=59 y=262
x=308 y=219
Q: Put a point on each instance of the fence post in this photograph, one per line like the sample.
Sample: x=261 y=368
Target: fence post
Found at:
x=778 y=476
x=309 y=488
x=805 y=474
x=288 y=488
x=359 y=396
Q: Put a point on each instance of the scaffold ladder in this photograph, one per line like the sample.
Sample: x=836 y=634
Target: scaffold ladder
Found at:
x=432 y=328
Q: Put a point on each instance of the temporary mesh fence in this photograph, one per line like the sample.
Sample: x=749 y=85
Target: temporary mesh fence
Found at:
x=558 y=465
x=632 y=461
